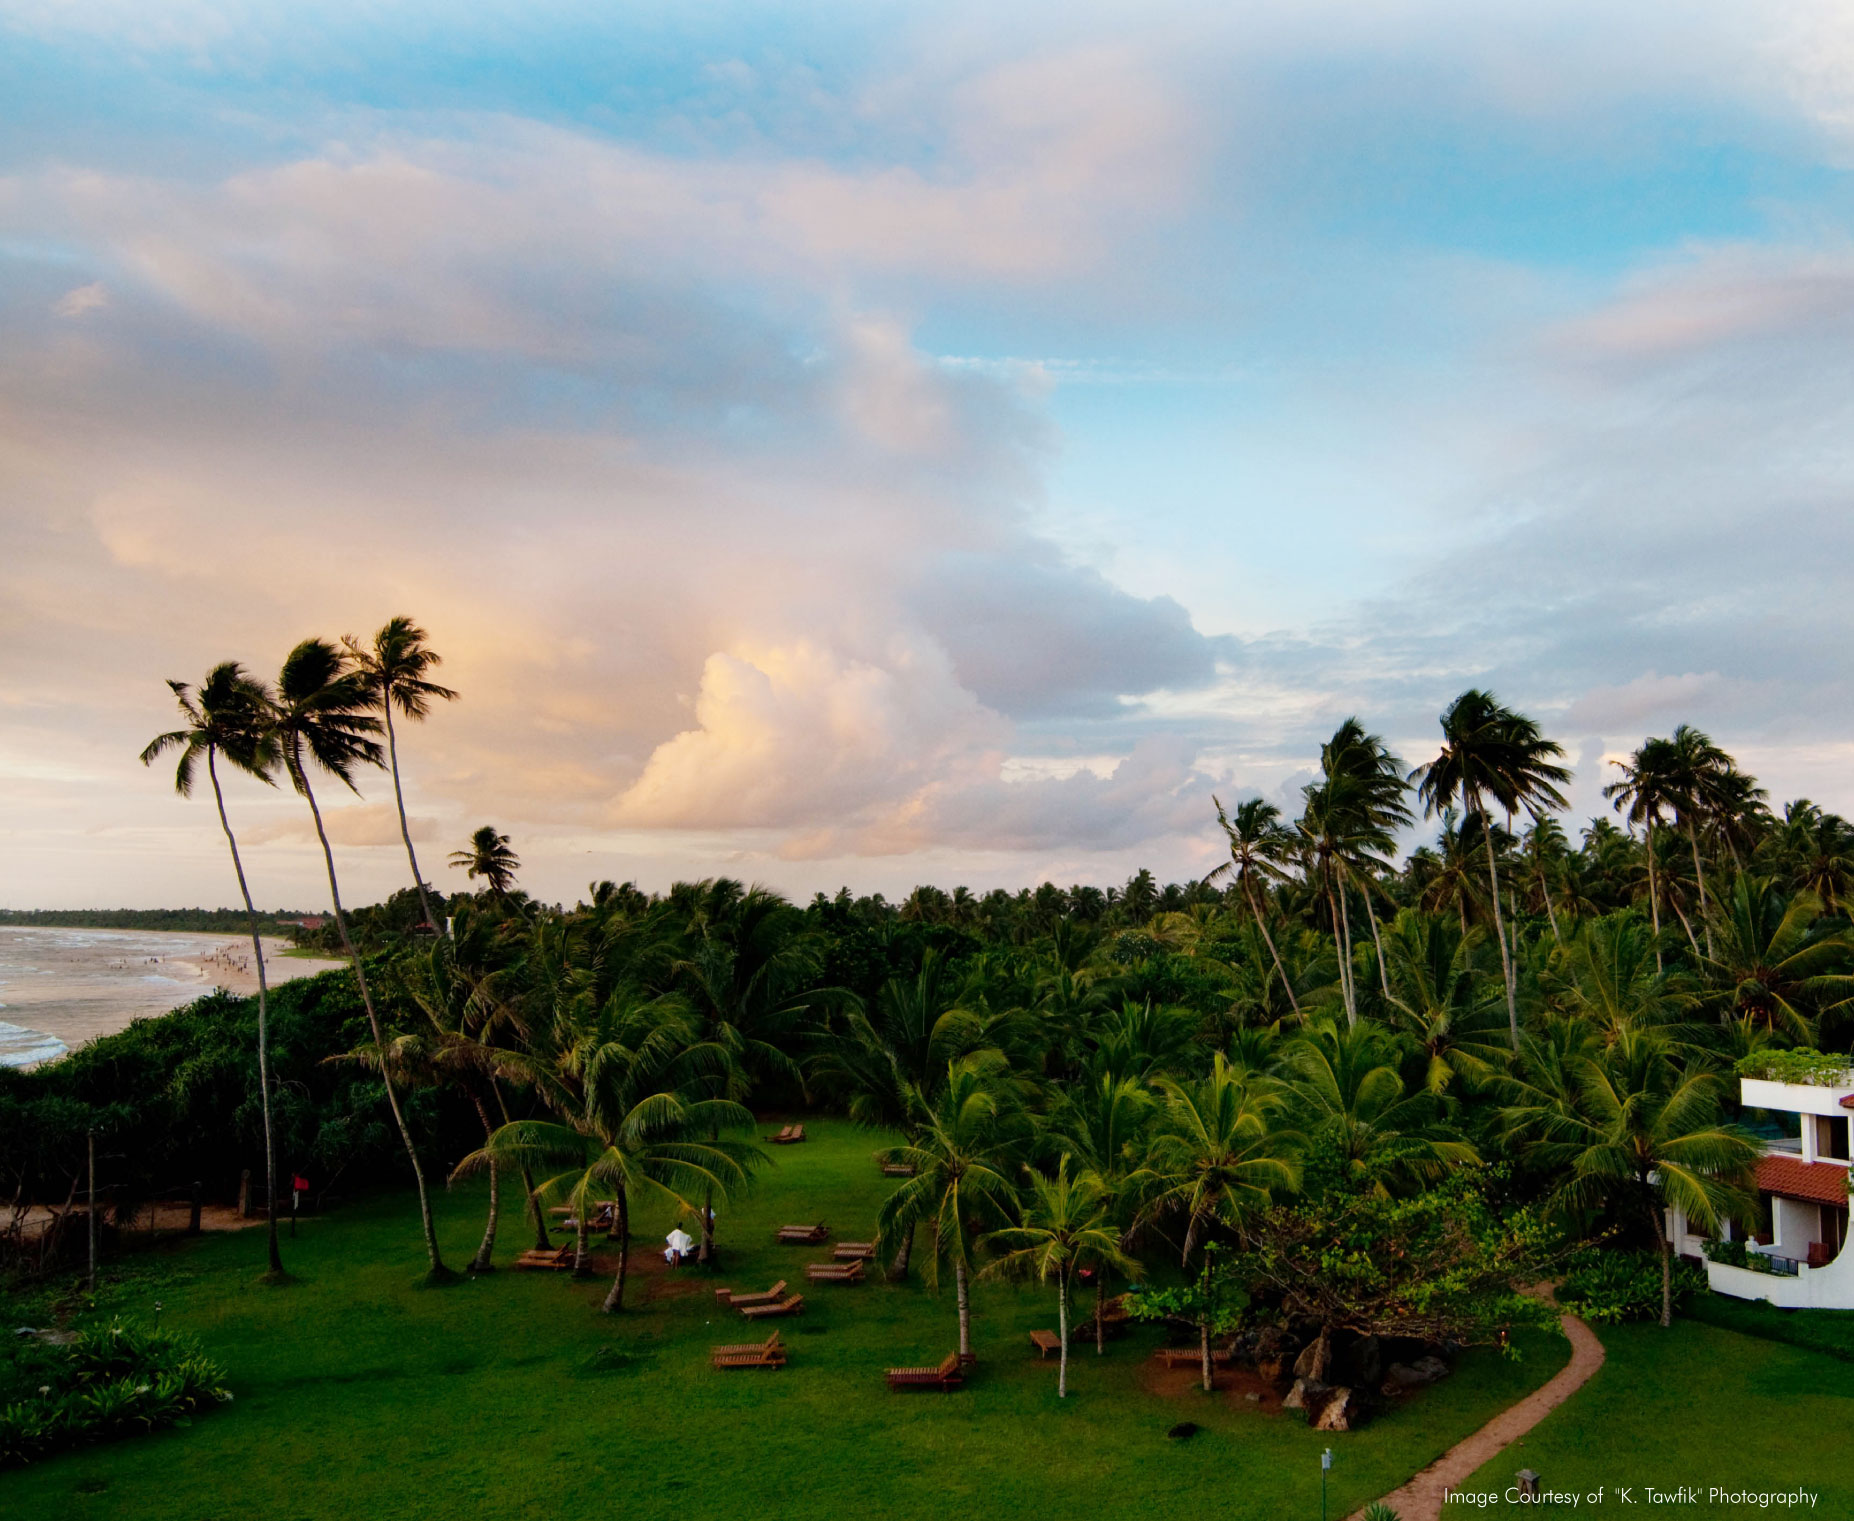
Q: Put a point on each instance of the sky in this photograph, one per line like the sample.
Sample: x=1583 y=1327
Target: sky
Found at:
x=881 y=444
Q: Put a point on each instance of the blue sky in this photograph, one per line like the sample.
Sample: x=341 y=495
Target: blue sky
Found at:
x=891 y=443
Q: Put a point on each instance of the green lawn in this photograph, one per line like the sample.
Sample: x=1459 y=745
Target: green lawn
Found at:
x=361 y=1396
x=1694 y=1405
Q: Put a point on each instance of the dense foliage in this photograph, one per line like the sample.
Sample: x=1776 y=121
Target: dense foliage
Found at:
x=109 y=1382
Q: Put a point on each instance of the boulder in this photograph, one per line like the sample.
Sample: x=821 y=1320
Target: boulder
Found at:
x=1425 y=1370
x=1316 y=1359
x=1341 y=1411
x=1307 y=1394
x=1432 y=1368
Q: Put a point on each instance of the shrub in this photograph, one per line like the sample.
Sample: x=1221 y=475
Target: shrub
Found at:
x=1821 y=1069
x=1608 y=1286
x=112 y=1382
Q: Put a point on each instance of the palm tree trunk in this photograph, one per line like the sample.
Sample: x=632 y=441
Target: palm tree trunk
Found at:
x=1378 y=941
x=1667 y=1261
x=263 y=1040
x=439 y=1272
x=1506 y=959
x=1686 y=924
x=1062 y=1331
x=482 y=1262
x=1550 y=915
x=1345 y=960
x=1654 y=898
x=1699 y=873
x=615 y=1299
x=1100 y=1316
x=399 y=797
x=898 y=1269
x=964 y=1292
x=1203 y=1348
x=707 y=1250
x=581 y=1236
x=1269 y=940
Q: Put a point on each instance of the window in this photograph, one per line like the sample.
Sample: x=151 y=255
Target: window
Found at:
x=1831 y=1137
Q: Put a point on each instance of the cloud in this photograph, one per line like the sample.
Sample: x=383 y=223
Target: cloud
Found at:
x=1625 y=708
x=351 y=825
x=82 y=299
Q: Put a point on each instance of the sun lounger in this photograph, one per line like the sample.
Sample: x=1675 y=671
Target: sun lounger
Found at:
x=561 y=1258
x=762 y=1354
x=1189 y=1357
x=735 y=1301
x=854 y=1251
x=834 y=1272
x=897 y=1170
x=783 y=1138
x=947 y=1376
x=804 y=1235
x=1045 y=1342
x=793 y=1306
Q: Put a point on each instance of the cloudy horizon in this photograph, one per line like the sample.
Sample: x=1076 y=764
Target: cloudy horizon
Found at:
x=833 y=445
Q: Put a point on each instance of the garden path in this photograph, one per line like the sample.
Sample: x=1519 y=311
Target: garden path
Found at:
x=1421 y=1499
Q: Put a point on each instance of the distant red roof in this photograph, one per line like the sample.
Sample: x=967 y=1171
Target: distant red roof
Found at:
x=1817 y=1182
x=1848 y=1102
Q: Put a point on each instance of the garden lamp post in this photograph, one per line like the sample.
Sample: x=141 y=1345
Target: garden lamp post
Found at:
x=1326 y=1467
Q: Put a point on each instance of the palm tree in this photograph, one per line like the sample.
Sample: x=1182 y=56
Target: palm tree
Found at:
x=1259 y=842
x=1440 y=999
x=1104 y=1119
x=1491 y=753
x=1218 y=1158
x=1776 y=965
x=1699 y=768
x=491 y=858
x=1637 y=1131
x=396 y=666
x=322 y=716
x=1646 y=792
x=1067 y=1225
x=965 y=1142
x=230 y=717
x=1545 y=841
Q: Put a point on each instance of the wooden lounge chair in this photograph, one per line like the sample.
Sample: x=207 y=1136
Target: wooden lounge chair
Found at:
x=735 y=1301
x=854 y=1251
x=804 y=1235
x=793 y=1306
x=1045 y=1342
x=897 y=1170
x=946 y=1377
x=557 y=1259
x=1190 y=1357
x=783 y=1138
x=798 y=1134
x=754 y=1354
x=834 y=1272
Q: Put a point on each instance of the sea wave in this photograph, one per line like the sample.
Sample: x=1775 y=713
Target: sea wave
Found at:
x=20 y=1047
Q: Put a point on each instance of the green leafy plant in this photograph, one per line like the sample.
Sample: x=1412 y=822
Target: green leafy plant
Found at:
x=113 y=1382
x=1609 y=1286
x=1819 y=1069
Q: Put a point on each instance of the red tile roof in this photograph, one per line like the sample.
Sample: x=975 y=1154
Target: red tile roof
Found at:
x=1818 y=1182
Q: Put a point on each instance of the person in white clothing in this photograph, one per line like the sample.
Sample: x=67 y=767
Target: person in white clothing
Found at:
x=681 y=1245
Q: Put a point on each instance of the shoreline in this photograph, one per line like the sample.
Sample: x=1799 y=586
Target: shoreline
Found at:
x=63 y=988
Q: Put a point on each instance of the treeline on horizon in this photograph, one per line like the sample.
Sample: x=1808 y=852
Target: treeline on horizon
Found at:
x=1476 y=1063
x=282 y=923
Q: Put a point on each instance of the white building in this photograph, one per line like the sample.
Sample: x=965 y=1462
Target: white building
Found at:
x=1802 y=1184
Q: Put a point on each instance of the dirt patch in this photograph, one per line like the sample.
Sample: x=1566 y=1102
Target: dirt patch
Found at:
x=650 y=1275
x=1233 y=1385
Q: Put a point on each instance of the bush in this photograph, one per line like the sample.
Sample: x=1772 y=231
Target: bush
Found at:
x=1609 y=1287
x=110 y=1383
x=1822 y=1069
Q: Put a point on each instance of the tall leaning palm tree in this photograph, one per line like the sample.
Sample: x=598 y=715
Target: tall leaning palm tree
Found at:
x=229 y=716
x=1643 y=795
x=397 y=665
x=1259 y=843
x=1492 y=754
x=1067 y=1225
x=322 y=718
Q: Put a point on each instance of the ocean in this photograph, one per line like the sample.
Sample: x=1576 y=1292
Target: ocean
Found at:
x=62 y=987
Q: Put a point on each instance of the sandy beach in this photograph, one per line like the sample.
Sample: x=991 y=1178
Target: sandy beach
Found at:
x=62 y=987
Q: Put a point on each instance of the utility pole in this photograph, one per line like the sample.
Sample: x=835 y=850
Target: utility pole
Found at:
x=90 y=1214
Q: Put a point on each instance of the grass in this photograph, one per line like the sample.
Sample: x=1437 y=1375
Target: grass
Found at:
x=1695 y=1404
x=361 y=1395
